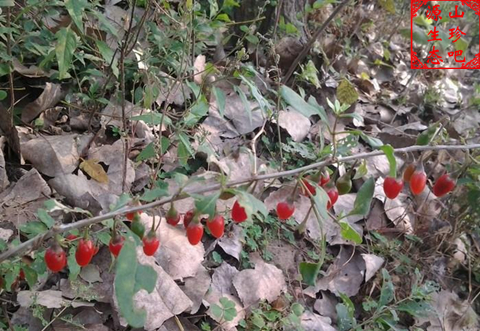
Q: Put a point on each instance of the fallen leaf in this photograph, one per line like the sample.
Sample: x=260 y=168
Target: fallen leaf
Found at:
x=196 y=287
x=94 y=170
x=297 y=125
x=265 y=282
x=373 y=263
x=47 y=298
x=231 y=242
x=51 y=95
x=90 y=274
x=314 y=322
x=222 y=278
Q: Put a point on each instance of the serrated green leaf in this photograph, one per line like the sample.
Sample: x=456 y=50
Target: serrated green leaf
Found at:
x=349 y=233
x=147 y=153
x=220 y=99
x=390 y=154
x=309 y=272
x=207 y=204
x=361 y=206
x=45 y=218
x=64 y=50
x=130 y=277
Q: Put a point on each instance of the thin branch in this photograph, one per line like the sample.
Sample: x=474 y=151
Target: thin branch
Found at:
x=312 y=40
x=180 y=195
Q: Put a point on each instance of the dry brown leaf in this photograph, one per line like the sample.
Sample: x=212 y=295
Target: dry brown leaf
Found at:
x=52 y=94
x=295 y=123
x=196 y=287
x=94 y=170
x=47 y=298
x=265 y=282
x=222 y=278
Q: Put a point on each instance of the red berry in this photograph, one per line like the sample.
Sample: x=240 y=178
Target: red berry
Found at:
x=130 y=216
x=71 y=237
x=333 y=196
x=55 y=258
x=21 y=274
x=392 y=187
x=172 y=217
x=85 y=251
x=150 y=243
x=96 y=249
x=324 y=178
x=194 y=233
x=238 y=213
x=418 y=181
x=308 y=187
x=216 y=226
x=116 y=245
x=285 y=210
x=443 y=185
x=187 y=218
x=407 y=174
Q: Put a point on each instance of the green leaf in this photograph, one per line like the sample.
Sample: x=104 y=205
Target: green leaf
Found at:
x=387 y=291
x=361 y=206
x=199 y=110
x=130 y=277
x=76 y=8
x=374 y=142
x=389 y=153
x=147 y=153
x=153 y=194
x=296 y=101
x=107 y=54
x=426 y=136
x=73 y=267
x=217 y=311
x=152 y=118
x=252 y=205
x=33 y=228
x=207 y=204
x=361 y=171
x=309 y=272
x=223 y=18
x=346 y=92
x=186 y=142
x=345 y=321
x=7 y=3
x=104 y=237
x=257 y=320
x=3 y=95
x=45 y=218
x=297 y=309
x=30 y=276
x=349 y=233
x=3 y=245
x=221 y=100
x=65 y=48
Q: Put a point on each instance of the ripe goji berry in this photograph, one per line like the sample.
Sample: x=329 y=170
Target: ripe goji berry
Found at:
x=285 y=210
x=333 y=197
x=443 y=185
x=187 y=218
x=392 y=187
x=216 y=226
x=55 y=258
x=115 y=245
x=418 y=180
x=194 y=233
x=172 y=217
x=85 y=251
x=150 y=243
x=238 y=213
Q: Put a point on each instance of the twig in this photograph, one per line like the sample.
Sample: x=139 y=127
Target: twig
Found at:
x=182 y=194
x=312 y=40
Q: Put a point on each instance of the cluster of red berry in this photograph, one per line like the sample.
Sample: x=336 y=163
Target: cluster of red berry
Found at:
x=285 y=209
x=194 y=226
x=417 y=179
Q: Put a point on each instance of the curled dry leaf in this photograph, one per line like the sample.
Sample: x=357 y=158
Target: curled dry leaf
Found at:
x=232 y=242
x=373 y=263
x=314 y=322
x=222 y=278
x=52 y=95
